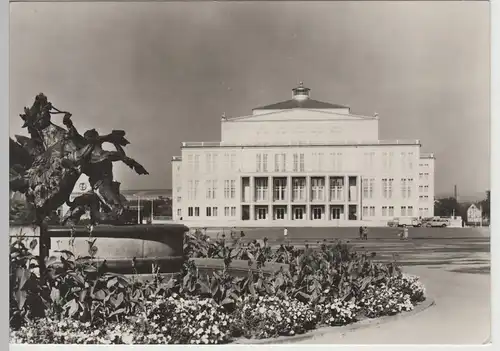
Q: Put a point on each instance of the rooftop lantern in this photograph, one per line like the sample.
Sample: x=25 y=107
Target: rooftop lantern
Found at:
x=301 y=92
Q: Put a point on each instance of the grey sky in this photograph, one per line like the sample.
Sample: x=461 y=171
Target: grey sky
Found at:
x=165 y=72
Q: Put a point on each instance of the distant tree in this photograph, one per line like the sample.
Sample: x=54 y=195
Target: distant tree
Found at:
x=446 y=207
x=485 y=204
x=162 y=207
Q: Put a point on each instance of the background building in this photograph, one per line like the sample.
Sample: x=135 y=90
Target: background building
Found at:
x=142 y=205
x=301 y=162
x=474 y=215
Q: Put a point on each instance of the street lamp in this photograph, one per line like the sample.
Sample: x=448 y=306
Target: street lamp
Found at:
x=138 y=209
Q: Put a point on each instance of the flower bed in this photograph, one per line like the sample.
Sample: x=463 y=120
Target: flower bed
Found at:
x=330 y=286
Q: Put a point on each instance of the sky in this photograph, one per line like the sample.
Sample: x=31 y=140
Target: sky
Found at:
x=166 y=72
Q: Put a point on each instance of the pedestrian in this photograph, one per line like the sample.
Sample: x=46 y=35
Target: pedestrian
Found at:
x=285 y=232
x=405 y=232
x=365 y=233
x=361 y=232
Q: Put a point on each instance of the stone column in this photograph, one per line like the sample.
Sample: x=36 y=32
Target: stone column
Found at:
x=251 y=200
x=308 y=198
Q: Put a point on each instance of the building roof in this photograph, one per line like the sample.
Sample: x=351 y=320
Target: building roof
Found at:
x=293 y=103
x=300 y=99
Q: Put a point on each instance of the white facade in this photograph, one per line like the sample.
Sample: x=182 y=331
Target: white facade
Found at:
x=297 y=163
x=474 y=214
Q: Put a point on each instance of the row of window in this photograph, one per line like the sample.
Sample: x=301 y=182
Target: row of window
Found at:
x=329 y=161
x=211 y=162
x=423 y=188
x=229 y=211
x=423 y=176
x=211 y=187
x=299 y=188
x=320 y=161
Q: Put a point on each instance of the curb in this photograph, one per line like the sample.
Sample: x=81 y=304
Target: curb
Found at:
x=366 y=323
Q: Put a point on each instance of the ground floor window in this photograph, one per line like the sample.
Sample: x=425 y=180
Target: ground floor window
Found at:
x=226 y=211
x=233 y=211
x=391 y=211
x=336 y=212
x=317 y=212
x=245 y=213
x=209 y=211
x=403 y=211
x=196 y=211
x=280 y=213
x=190 y=212
x=261 y=213
x=179 y=212
x=384 y=211
x=298 y=213
x=410 y=211
x=365 y=211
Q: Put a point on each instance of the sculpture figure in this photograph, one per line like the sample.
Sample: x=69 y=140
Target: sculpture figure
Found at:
x=46 y=167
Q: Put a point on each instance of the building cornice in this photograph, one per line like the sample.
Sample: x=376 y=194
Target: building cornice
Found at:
x=215 y=144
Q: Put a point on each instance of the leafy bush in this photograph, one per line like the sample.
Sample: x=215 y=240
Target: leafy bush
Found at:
x=75 y=300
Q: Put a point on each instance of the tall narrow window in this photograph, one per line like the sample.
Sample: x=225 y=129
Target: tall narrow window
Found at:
x=366 y=186
x=280 y=189
x=233 y=189
x=302 y=163
x=318 y=189
x=264 y=167
x=403 y=188
x=409 y=189
x=226 y=189
x=196 y=163
x=232 y=162
x=196 y=187
x=389 y=190
x=258 y=160
x=209 y=162
x=372 y=211
x=365 y=211
x=261 y=189
x=295 y=162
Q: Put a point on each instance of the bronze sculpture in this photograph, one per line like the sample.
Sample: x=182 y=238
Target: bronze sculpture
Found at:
x=46 y=167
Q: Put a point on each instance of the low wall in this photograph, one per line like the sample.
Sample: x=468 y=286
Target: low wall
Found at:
x=119 y=245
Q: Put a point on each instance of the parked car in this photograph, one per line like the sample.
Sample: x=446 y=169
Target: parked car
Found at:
x=405 y=221
x=437 y=222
